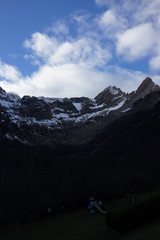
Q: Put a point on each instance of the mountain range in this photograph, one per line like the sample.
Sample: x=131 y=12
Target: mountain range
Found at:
x=48 y=121
x=56 y=153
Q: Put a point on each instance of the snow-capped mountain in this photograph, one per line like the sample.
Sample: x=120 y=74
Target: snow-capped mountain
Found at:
x=43 y=165
x=33 y=120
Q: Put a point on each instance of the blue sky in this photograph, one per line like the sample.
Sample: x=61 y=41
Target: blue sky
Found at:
x=66 y=48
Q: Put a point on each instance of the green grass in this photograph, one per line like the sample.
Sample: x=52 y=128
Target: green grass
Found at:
x=80 y=225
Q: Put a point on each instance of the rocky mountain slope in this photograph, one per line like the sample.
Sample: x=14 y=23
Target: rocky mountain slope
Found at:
x=48 y=121
x=42 y=165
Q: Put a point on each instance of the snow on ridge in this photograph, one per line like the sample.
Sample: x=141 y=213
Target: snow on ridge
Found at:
x=8 y=136
x=88 y=116
x=57 y=118
x=10 y=102
x=46 y=122
x=126 y=110
x=99 y=113
x=14 y=137
x=63 y=115
x=57 y=108
x=113 y=90
x=117 y=106
x=118 y=97
x=78 y=106
x=97 y=106
x=6 y=103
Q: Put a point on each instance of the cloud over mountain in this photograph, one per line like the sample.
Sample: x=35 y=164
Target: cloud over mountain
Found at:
x=88 y=51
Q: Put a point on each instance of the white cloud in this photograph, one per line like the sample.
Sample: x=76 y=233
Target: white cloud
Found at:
x=71 y=80
x=42 y=45
x=81 y=19
x=59 y=28
x=80 y=65
x=155 y=63
x=33 y=60
x=108 y=18
x=9 y=72
x=101 y=2
x=59 y=81
x=83 y=24
x=147 y=10
x=136 y=42
x=67 y=80
x=83 y=50
x=112 y=23
x=69 y=67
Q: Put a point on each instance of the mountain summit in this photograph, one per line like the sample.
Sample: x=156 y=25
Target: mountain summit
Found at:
x=110 y=96
x=147 y=86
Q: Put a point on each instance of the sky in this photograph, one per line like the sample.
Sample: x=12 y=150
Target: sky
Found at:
x=68 y=48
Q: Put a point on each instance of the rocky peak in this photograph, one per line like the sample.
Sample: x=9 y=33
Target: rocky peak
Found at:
x=109 y=96
x=114 y=90
x=147 y=86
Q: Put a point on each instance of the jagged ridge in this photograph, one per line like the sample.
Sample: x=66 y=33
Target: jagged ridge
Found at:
x=42 y=120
